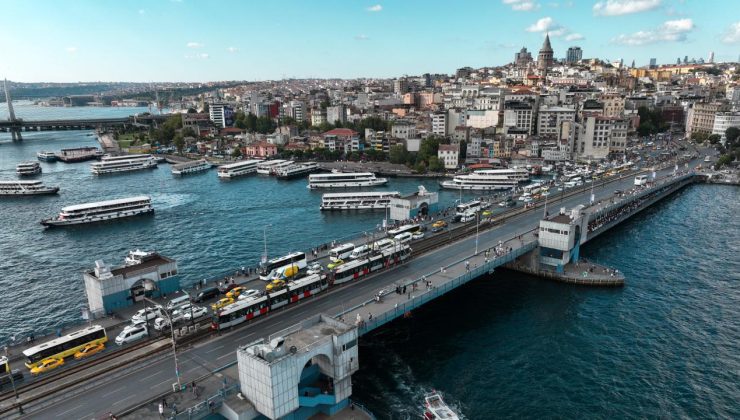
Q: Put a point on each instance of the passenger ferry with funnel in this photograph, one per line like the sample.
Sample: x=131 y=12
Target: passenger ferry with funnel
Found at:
x=345 y=180
x=125 y=163
x=101 y=211
x=266 y=166
x=488 y=179
x=16 y=188
x=358 y=200
x=237 y=169
x=190 y=167
x=46 y=156
x=28 y=169
x=296 y=170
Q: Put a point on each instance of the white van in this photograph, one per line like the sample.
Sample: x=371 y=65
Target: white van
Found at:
x=403 y=238
x=360 y=252
x=178 y=301
x=467 y=217
x=130 y=335
x=384 y=243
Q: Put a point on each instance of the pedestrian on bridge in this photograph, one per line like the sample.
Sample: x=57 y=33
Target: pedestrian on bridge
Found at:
x=467 y=265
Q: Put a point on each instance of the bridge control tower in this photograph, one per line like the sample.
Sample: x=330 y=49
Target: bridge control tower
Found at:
x=15 y=132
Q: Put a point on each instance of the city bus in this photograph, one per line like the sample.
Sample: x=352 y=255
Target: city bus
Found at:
x=472 y=206
x=65 y=346
x=341 y=252
x=532 y=189
x=404 y=229
x=297 y=259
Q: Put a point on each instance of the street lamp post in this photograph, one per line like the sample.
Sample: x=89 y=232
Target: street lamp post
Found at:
x=264 y=236
x=477 y=223
x=174 y=343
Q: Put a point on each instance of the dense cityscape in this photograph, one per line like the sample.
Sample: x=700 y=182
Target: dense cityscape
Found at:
x=550 y=236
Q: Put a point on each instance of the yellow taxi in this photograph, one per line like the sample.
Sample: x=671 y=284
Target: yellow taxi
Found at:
x=276 y=284
x=487 y=213
x=438 y=225
x=47 y=365
x=222 y=303
x=89 y=350
x=335 y=264
x=235 y=292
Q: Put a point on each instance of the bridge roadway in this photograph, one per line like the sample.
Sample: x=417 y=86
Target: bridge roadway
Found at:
x=118 y=391
x=86 y=122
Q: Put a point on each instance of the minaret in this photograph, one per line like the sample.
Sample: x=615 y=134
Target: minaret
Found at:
x=544 y=59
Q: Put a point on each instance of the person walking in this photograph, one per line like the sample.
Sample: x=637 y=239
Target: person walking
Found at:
x=161 y=410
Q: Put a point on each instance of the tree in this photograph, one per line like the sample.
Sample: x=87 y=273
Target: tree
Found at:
x=420 y=167
x=398 y=154
x=236 y=153
x=435 y=165
x=463 y=151
x=189 y=132
x=240 y=120
x=722 y=161
x=428 y=148
x=714 y=138
x=179 y=142
x=699 y=137
x=732 y=134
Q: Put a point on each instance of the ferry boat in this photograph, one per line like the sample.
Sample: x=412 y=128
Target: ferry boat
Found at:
x=190 y=167
x=378 y=200
x=436 y=409
x=345 y=180
x=15 y=188
x=280 y=166
x=489 y=179
x=237 y=169
x=265 y=167
x=296 y=170
x=46 y=156
x=101 y=211
x=28 y=169
x=79 y=154
x=124 y=163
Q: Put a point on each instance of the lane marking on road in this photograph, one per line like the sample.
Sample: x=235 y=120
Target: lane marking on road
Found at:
x=123 y=399
x=69 y=411
x=161 y=383
x=114 y=391
x=224 y=356
x=215 y=349
x=144 y=379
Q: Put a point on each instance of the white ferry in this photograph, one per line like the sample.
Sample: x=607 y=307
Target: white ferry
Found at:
x=190 y=167
x=280 y=166
x=101 y=211
x=436 y=409
x=237 y=169
x=125 y=163
x=28 y=168
x=378 y=200
x=13 y=188
x=488 y=179
x=46 y=156
x=296 y=170
x=265 y=167
x=345 y=180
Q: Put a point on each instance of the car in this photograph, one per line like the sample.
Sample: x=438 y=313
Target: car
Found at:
x=235 y=292
x=527 y=199
x=276 y=284
x=439 y=225
x=315 y=268
x=228 y=287
x=206 y=294
x=147 y=314
x=222 y=303
x=417 y=235
x=197 y=312
x=130 y=335
x=524 y=197
x=487 y=213
x=617 y=192
x=248 y=294
x=335 y=264
x=47 y=365
x=509 y=202
x=89 y=350
x=161 y=324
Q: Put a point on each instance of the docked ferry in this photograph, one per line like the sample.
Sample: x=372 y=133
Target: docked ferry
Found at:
x=28 y=169
x=378 y=200
x=280 y=166
x=16 y=188
x=489 y=179
x=190 y=167
x=436 y=409
x=345 y=180
x=266 y=166
x=296 y=170
x=79 y=154
x=46 y=156
x=101 y=211
x=124 y=163
x=237 y=169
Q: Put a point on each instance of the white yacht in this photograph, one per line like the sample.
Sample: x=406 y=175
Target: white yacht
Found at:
x=265 y=167
x=488 y=179
x=358 y=200
x=101 y=211
x=296 y=170
x=436 y=409
x=237 y=169
x=28 y=168
x=190 y=167
x=46 y=156
x=14 y=188
x=345 y=180
x=124 y=163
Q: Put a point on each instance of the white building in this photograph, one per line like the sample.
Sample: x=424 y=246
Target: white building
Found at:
x=482 y=118
x=550 y=119
x=601 y=135
x=439 y=123
x=725 y=120
x=449 y=155
x=317 y=117
x=217 y=114
x=403 y=130
x=519 y=114
x=336 y=113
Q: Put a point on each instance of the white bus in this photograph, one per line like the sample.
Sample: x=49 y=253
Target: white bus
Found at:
x=341 y=252
x=532 y=189
x=404 y=229
x=268 y=269
x=472 y=206
x=641 y=180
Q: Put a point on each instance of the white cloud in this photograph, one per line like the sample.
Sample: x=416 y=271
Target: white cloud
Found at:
x=375 y=8
x=545 y=24
x=194 y=45
x=232 y=49
x=71 y=50
x=361 y=37
x=142 y=11
x=201 y=56
x=732 y=35
x=522 y=5
x=623 y=7
x=669 y=31
x=574 y=37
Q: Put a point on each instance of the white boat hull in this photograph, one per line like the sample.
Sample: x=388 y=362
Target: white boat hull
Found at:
x=98 y=218
x=355 y=207
x=148 y=165
x=350 y=184
x=190 y=170
x=492 y=187
x=47 y=190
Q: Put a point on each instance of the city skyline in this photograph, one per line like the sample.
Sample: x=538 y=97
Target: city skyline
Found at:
x=186 y=40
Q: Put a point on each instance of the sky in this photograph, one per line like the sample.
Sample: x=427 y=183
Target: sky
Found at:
x=198 y=40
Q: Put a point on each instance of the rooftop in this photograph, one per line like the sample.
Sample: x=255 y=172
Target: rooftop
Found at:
x=151 y=261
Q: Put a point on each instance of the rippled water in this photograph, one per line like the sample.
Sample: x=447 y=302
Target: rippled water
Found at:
x=210 y=226
x=512 y=346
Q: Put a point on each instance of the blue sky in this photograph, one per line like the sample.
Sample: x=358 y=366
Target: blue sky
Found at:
x=197 y=40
